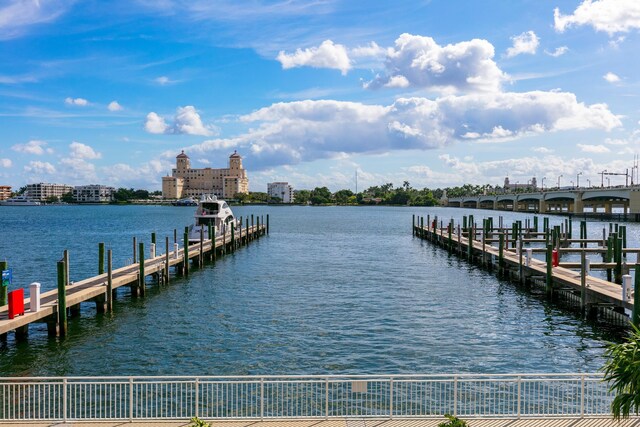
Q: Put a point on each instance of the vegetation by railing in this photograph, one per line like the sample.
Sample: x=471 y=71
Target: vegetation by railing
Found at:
x=321 y=397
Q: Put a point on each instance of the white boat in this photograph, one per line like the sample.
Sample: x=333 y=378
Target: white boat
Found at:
x=21 y=200
x=214 y=212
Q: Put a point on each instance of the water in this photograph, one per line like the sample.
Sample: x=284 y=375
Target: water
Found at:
x=332 y=290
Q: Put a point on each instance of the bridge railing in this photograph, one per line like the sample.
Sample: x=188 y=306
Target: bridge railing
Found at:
x=302 y=397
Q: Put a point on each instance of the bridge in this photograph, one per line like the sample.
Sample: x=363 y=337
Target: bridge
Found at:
x=567 y=201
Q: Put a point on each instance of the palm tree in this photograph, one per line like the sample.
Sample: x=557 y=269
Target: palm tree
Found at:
x=622 y=372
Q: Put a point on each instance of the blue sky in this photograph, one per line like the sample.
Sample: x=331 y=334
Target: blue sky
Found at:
x=437 y=93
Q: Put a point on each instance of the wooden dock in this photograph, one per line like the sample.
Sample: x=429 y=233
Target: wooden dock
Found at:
x=513 y=260
x=56 y=305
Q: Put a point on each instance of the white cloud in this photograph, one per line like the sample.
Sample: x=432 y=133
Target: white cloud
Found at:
x=40 y=167
x=526 y=42
x=81 y=102
x=610 y=16
x=327 y=55
x=587 y=148
x=82 y=151
x=16 y=15
x=543 y=150
x=422 y=63
x=370 y=51
x=611 y=78
x=289 y=133
x=32 y=147
x=559 y=51
x=143 y=175
x=114 y=106
x=76 y=170
x=164 y=80
x=186 y=121
x=610 y=141
x=6 y=163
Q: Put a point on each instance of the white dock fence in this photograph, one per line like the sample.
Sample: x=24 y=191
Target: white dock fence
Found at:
x=302 y=397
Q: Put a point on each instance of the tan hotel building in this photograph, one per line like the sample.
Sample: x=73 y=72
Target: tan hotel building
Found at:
x=187 y=182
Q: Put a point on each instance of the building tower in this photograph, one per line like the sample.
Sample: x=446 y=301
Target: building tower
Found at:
x=235 y=161
x=182 y=162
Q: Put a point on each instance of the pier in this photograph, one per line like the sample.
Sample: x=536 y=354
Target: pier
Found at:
x=55 y=306
x=508 y=251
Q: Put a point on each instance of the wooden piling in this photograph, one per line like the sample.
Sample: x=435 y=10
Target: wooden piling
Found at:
x=501 y=253
x=413 y=225
x=635 y=317
x=101 y=258
x=109 y=281
x=153 y=238
x=609 y=256
x=134 y=251
x=201 y=256
x=583 y=280
x=4 y=290
x=267 y=223
x=185 y=255
x=233 y=237
x=167 y=260
x=618 y=259
x=62 y=298
x=141 y=281
x=549 y=281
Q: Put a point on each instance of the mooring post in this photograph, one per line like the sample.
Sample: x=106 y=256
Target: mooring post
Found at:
x=233 y=237
x=141 y=281
x=215 y=243
x=153 y=238
x=413 y=225
x=583 y=281
x=429 y=228
x=635 y=317
x=135 y=258
x=62 y=297
x=100 y=258
x=267 y=223
x=248 y=233
x=545 y=223
x=4 y=290
x=166 y=260
x=109 y=281
x=470 y=244
x=535 y=224
x=450 y=233
x=421 y=227
x=175 y=235
x=253 y=231
x=520 y=260
x=609 y=255
x=485 y=223
x=514 y=234
x=201 y=256
x=185 y=255
x=464 y=223
x=623 y=236
x=570 y=223
x=501 y=252
x=549 y=282
x=618 y=258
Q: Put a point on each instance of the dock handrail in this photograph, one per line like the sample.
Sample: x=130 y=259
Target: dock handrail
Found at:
x=303 y=396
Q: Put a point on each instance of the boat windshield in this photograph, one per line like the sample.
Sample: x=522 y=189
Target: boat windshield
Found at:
x=206 y=221
x=225 y=205
x=209 y=209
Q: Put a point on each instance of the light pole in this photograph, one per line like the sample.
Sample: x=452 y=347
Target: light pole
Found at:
x=571 y=184
x=578 y=179
x=543 y=178
x=589 y=181
x=608 y=182
x=559 y=181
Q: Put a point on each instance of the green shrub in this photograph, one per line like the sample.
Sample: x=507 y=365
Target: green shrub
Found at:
x=453 y=422
x=197 y=422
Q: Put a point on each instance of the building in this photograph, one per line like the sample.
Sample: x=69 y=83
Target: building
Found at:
x=281 y=190
x=43 y=191
x=93 y=194
x=531 y=185
x=5 y=192
x=187 y=182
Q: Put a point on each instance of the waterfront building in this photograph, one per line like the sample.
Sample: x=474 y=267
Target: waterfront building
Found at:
x=531 y=185
x=189 y=182
x=5 y=192
x=93 y=193
x=281 y=190
x=42 y=191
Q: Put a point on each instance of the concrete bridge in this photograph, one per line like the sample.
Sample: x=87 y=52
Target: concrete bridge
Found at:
x=567 y=201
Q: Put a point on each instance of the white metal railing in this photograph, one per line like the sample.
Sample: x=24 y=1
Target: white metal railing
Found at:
x=278 y=397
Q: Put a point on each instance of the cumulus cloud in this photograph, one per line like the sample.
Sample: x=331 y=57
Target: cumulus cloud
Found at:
x=611 y=78
x=39 y=167
x=526 y=42
x=32 y=147
x=289 y=133
x=82 y=151
x=6 y=163
x=559 y=51
x=114 y=106
x=186 y=121
x=327 y=55
x=587 y=148
x=543 y=150
x=81 y=102
x=142 y=175
x=419 y=62
x=610 y=16
x=77 y=170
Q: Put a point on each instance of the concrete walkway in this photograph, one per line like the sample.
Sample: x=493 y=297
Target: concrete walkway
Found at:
x=502 y=422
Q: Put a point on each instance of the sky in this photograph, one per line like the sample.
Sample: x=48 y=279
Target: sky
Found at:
x=437 y=93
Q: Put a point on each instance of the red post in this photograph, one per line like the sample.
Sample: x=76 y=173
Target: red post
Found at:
x=16 y=303
x=555 y=259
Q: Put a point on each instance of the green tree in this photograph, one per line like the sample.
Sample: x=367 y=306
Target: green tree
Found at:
x=622 y=372
x=68 y=197
x=242 y=197
x=342 y=197
x=321 y=196
x=52 y=199
x=302 y=196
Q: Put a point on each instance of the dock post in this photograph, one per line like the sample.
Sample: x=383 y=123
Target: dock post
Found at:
x=4 y=290
x=175 y=235
x=464 y=223
x=141 y=281
x=248 y=232
x=223 y=250
x=535 y=224
x=201 y=256
x=109 y=281
x=215 y=243
x=185 y=255
x=485 y=223
x=583 y=280
x=166 y=260
x=258 y=226
x=549 y=281
x=609 y=256
x=233 y=237
x=422 y=227
x=428 y=235
x=514 y=234
x=211 y=240
x=62 y=297
x=135 y=259
x=101 y=258
x=635 y=317
x=623 y=232
x=501 y=252
x=153 y=238
x=520 y=271
x=570 y=227
x=252 y=229
x=545 y=224
x=470 y=244
x=267 y=223
x=618 y=259
x=449 y=233
x=413 y=225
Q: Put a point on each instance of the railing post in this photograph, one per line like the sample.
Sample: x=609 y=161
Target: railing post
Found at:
x=581 y=395
x=455 y=395
x=519 y=395
x=197 y=399
x=261 y=399
x=64 y=400
x=326 y=398
x=390 y=398
x=130 y=399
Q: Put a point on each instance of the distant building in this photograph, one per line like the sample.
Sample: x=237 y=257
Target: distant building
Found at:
x=281 y=190
x=187 y=182
x=5 y=192
x=42 y=191
x=530 y=185
x=93 y=194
